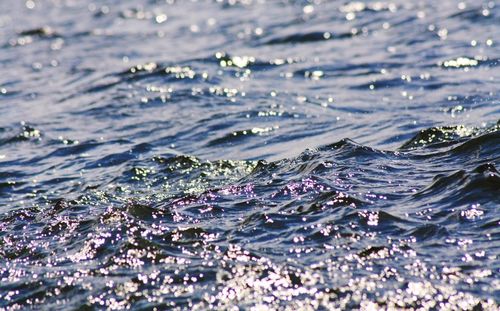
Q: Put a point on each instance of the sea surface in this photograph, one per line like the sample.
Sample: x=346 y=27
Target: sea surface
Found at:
x=253 y=155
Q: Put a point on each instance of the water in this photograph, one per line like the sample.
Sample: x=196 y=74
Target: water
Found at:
x=279 y=154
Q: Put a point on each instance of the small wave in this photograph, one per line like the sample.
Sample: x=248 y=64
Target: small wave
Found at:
x=439 y=136
x=308 y=37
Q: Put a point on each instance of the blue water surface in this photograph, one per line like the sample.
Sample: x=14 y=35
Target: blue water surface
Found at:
x=281 y=155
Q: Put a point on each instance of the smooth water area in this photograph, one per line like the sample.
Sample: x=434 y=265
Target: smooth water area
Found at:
x=293 y=155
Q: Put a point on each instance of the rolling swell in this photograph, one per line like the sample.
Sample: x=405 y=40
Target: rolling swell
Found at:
x=197 y=155
x=335 y=202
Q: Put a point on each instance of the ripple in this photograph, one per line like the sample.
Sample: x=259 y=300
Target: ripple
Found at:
x=196 y=155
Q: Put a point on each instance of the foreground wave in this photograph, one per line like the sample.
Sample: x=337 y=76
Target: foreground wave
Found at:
x=341 y=226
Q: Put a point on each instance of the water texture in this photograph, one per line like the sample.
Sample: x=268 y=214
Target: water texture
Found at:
x=293 y=155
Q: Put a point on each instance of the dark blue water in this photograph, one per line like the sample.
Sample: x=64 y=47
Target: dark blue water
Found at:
x=254 y=154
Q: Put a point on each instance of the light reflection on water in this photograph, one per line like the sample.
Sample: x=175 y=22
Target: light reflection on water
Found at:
x=260 y=154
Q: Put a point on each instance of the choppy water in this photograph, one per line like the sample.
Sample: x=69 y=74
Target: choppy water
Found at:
x=252 y=154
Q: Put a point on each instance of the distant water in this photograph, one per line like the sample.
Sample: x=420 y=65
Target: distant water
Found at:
x=257 y=154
